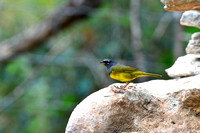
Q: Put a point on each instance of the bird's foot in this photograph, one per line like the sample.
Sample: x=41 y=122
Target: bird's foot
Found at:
x=121 y=88
x=134 y=86
x=117 y=89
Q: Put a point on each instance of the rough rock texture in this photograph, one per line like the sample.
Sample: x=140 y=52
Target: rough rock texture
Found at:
x=181 y=5
x=193 y=46
x=191 y=18
x=185 y=66
x=142 y=107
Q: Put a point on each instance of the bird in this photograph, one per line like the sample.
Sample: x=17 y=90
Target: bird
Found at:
x=124 y=73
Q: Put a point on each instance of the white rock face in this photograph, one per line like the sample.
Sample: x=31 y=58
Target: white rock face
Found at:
x=191 y=18
x=184 y=66
x=193 y=46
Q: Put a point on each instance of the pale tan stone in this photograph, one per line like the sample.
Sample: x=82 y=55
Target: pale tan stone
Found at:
x=193 y=46
x=184 y=66
x=191 y=18
x=154 y=106
x=181 y=5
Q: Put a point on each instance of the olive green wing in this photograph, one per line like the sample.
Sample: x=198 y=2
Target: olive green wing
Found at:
x=122 y=68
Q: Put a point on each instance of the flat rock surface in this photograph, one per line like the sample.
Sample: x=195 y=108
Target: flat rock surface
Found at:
x=154 y=106
x=185 y=66
x=191 y=18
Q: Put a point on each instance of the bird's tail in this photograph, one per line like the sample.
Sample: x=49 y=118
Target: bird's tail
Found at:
x=143 y=74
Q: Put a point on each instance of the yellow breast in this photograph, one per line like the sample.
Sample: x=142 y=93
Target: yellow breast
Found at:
x=124 y=77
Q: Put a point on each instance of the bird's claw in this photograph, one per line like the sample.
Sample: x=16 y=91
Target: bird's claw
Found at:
x=117 y=89
x=121 y=88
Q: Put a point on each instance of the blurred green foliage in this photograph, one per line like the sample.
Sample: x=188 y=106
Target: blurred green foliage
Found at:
x=55 y=77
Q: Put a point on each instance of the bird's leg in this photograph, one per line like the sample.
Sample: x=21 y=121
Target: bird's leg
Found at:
x=126 y=85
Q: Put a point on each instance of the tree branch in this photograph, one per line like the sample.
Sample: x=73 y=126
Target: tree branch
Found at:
x=72 y=12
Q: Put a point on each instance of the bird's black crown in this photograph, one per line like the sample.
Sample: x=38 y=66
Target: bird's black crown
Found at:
x=108 y=63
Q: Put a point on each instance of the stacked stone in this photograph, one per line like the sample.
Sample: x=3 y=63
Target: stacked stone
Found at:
x=188 y=65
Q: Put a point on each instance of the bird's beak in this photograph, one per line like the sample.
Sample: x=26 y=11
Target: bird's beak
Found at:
x=101 y=62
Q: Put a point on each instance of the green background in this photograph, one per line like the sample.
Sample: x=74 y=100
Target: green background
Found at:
x=53 y=78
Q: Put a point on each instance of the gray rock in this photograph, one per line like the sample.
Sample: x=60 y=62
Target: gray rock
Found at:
x=191 y=18
x=184 y=66
x=154 y=106
x=193 y=46
x=196 y=36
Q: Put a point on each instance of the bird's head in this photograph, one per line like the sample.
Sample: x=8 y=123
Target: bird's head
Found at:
x=108 y=63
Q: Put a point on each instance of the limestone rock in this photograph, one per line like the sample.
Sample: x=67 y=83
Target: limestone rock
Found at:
x=193 y=46
x=142 y=107
x=184 y=66
x=181 y=5
x=191 y=18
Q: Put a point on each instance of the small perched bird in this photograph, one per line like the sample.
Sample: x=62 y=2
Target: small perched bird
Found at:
x=124 y=73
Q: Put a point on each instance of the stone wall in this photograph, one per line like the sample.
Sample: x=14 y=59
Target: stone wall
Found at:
x=188 y=65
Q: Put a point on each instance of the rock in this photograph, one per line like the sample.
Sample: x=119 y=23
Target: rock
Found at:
x=181 y=5
x=142 y=107
x=191 y=18
x=193 y=46
x=196 y=36
x=184 y=66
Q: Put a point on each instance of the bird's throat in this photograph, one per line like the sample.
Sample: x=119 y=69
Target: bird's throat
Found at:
x=110 y=69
